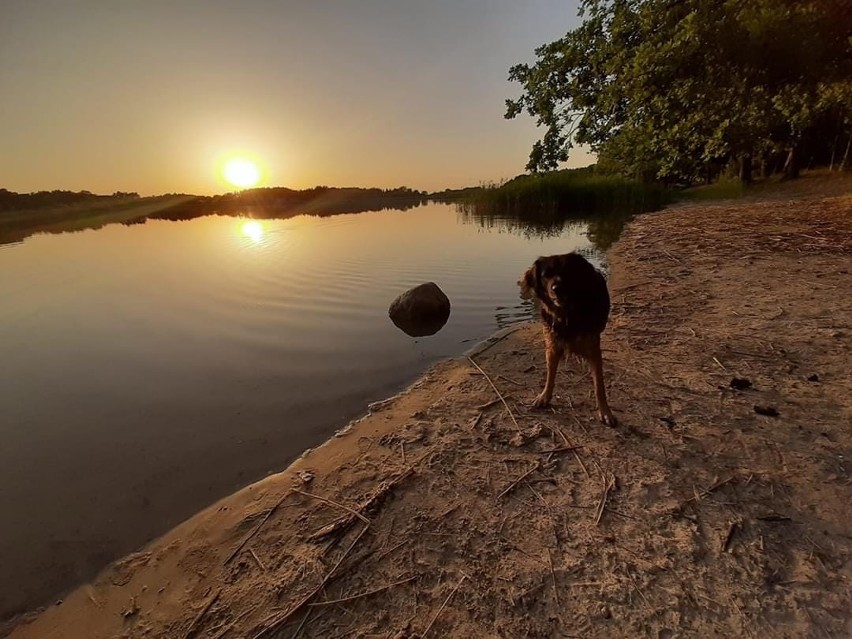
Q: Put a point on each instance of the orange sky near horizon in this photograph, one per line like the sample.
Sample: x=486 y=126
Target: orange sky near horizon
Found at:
x=152 y=97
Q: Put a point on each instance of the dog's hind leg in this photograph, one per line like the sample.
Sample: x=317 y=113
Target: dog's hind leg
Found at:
x=554 y=354
x=595 y=359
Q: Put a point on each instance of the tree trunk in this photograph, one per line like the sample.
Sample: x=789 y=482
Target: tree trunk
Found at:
x=791 y=166
x=833 y=152
x=838 y=131
x=845 y=164
x=745 y=169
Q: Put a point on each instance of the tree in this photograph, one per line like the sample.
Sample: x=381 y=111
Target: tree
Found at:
x=677 y=89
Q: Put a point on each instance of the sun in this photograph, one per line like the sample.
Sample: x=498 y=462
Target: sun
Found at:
x=241 y=173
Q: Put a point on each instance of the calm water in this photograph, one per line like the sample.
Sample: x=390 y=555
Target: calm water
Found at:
x=149 y=370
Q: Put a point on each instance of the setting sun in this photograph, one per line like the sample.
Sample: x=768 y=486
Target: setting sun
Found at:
x=241 y=173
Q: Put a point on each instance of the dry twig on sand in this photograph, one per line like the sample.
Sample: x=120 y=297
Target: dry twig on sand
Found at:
x=721 y=365
x=342 y=523
x=354 y=513
x=511 y=486
x=553 y=577
x=707 y=491
x=443 y=605
x=391 y=549
x=257 y=528
x=499 y=394
x=257 y=559
x=227 y=628
x=302 y=624
x=568 y=445
x=560 y=449
x=190 y=632
x=361 y=595
x=637 y=588
x=609 y=484
x=280 y=620
x=493 y=402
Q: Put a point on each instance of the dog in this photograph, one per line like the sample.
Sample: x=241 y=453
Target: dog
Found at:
x=574 y=303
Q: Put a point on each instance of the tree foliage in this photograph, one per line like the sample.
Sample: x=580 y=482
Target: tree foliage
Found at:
x=676 y=89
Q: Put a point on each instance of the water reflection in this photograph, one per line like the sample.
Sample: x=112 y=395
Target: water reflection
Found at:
x=253 y=230
x=258 y=204
x=252 y=207
x=420 y=326
x=602 y=229
x=505 y=316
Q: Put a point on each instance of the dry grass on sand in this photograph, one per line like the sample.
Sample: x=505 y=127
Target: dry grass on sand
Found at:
x=435 y=516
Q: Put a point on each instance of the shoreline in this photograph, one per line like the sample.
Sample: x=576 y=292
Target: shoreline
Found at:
x=7 y=627
x=704 y=496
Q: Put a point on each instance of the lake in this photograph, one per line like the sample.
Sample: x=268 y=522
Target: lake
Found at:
x=150 y=369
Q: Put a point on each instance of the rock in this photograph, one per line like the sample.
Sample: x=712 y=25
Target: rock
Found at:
x=420 y=311
x=740 y=383
x=769 y=411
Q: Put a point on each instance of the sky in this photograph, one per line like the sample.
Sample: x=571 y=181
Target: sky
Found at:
x=153 y=96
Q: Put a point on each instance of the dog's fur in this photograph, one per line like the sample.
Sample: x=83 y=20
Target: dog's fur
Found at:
x=574 y=304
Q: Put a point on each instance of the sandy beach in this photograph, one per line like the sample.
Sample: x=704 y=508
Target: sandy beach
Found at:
x=721 y=505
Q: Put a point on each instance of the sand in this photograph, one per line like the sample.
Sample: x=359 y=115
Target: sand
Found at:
x=446 y=513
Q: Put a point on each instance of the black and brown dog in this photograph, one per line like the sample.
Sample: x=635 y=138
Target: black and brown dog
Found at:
x=574 y=304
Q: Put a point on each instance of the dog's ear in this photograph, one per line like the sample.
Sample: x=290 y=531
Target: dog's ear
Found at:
x=530 y=281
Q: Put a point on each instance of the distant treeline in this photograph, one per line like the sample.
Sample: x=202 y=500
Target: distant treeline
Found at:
x=278 y=202
x=455 y=195
x=11 y=201
x=263 y=202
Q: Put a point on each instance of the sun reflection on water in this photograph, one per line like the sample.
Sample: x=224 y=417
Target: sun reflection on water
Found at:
x=253 y=230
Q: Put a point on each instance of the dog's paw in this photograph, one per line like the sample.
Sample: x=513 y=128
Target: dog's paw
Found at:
x=542 y=401
x=608 y=418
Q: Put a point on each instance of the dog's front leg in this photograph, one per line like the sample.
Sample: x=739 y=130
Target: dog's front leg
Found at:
x=554 y=354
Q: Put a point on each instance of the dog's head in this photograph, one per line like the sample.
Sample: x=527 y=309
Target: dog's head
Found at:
x=553 y=279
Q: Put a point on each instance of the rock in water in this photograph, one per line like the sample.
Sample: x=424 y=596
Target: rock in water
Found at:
x=420 y=311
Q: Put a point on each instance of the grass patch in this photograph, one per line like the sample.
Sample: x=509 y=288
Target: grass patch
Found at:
x=541 y=205
x=569 y=193
x=726 y=188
